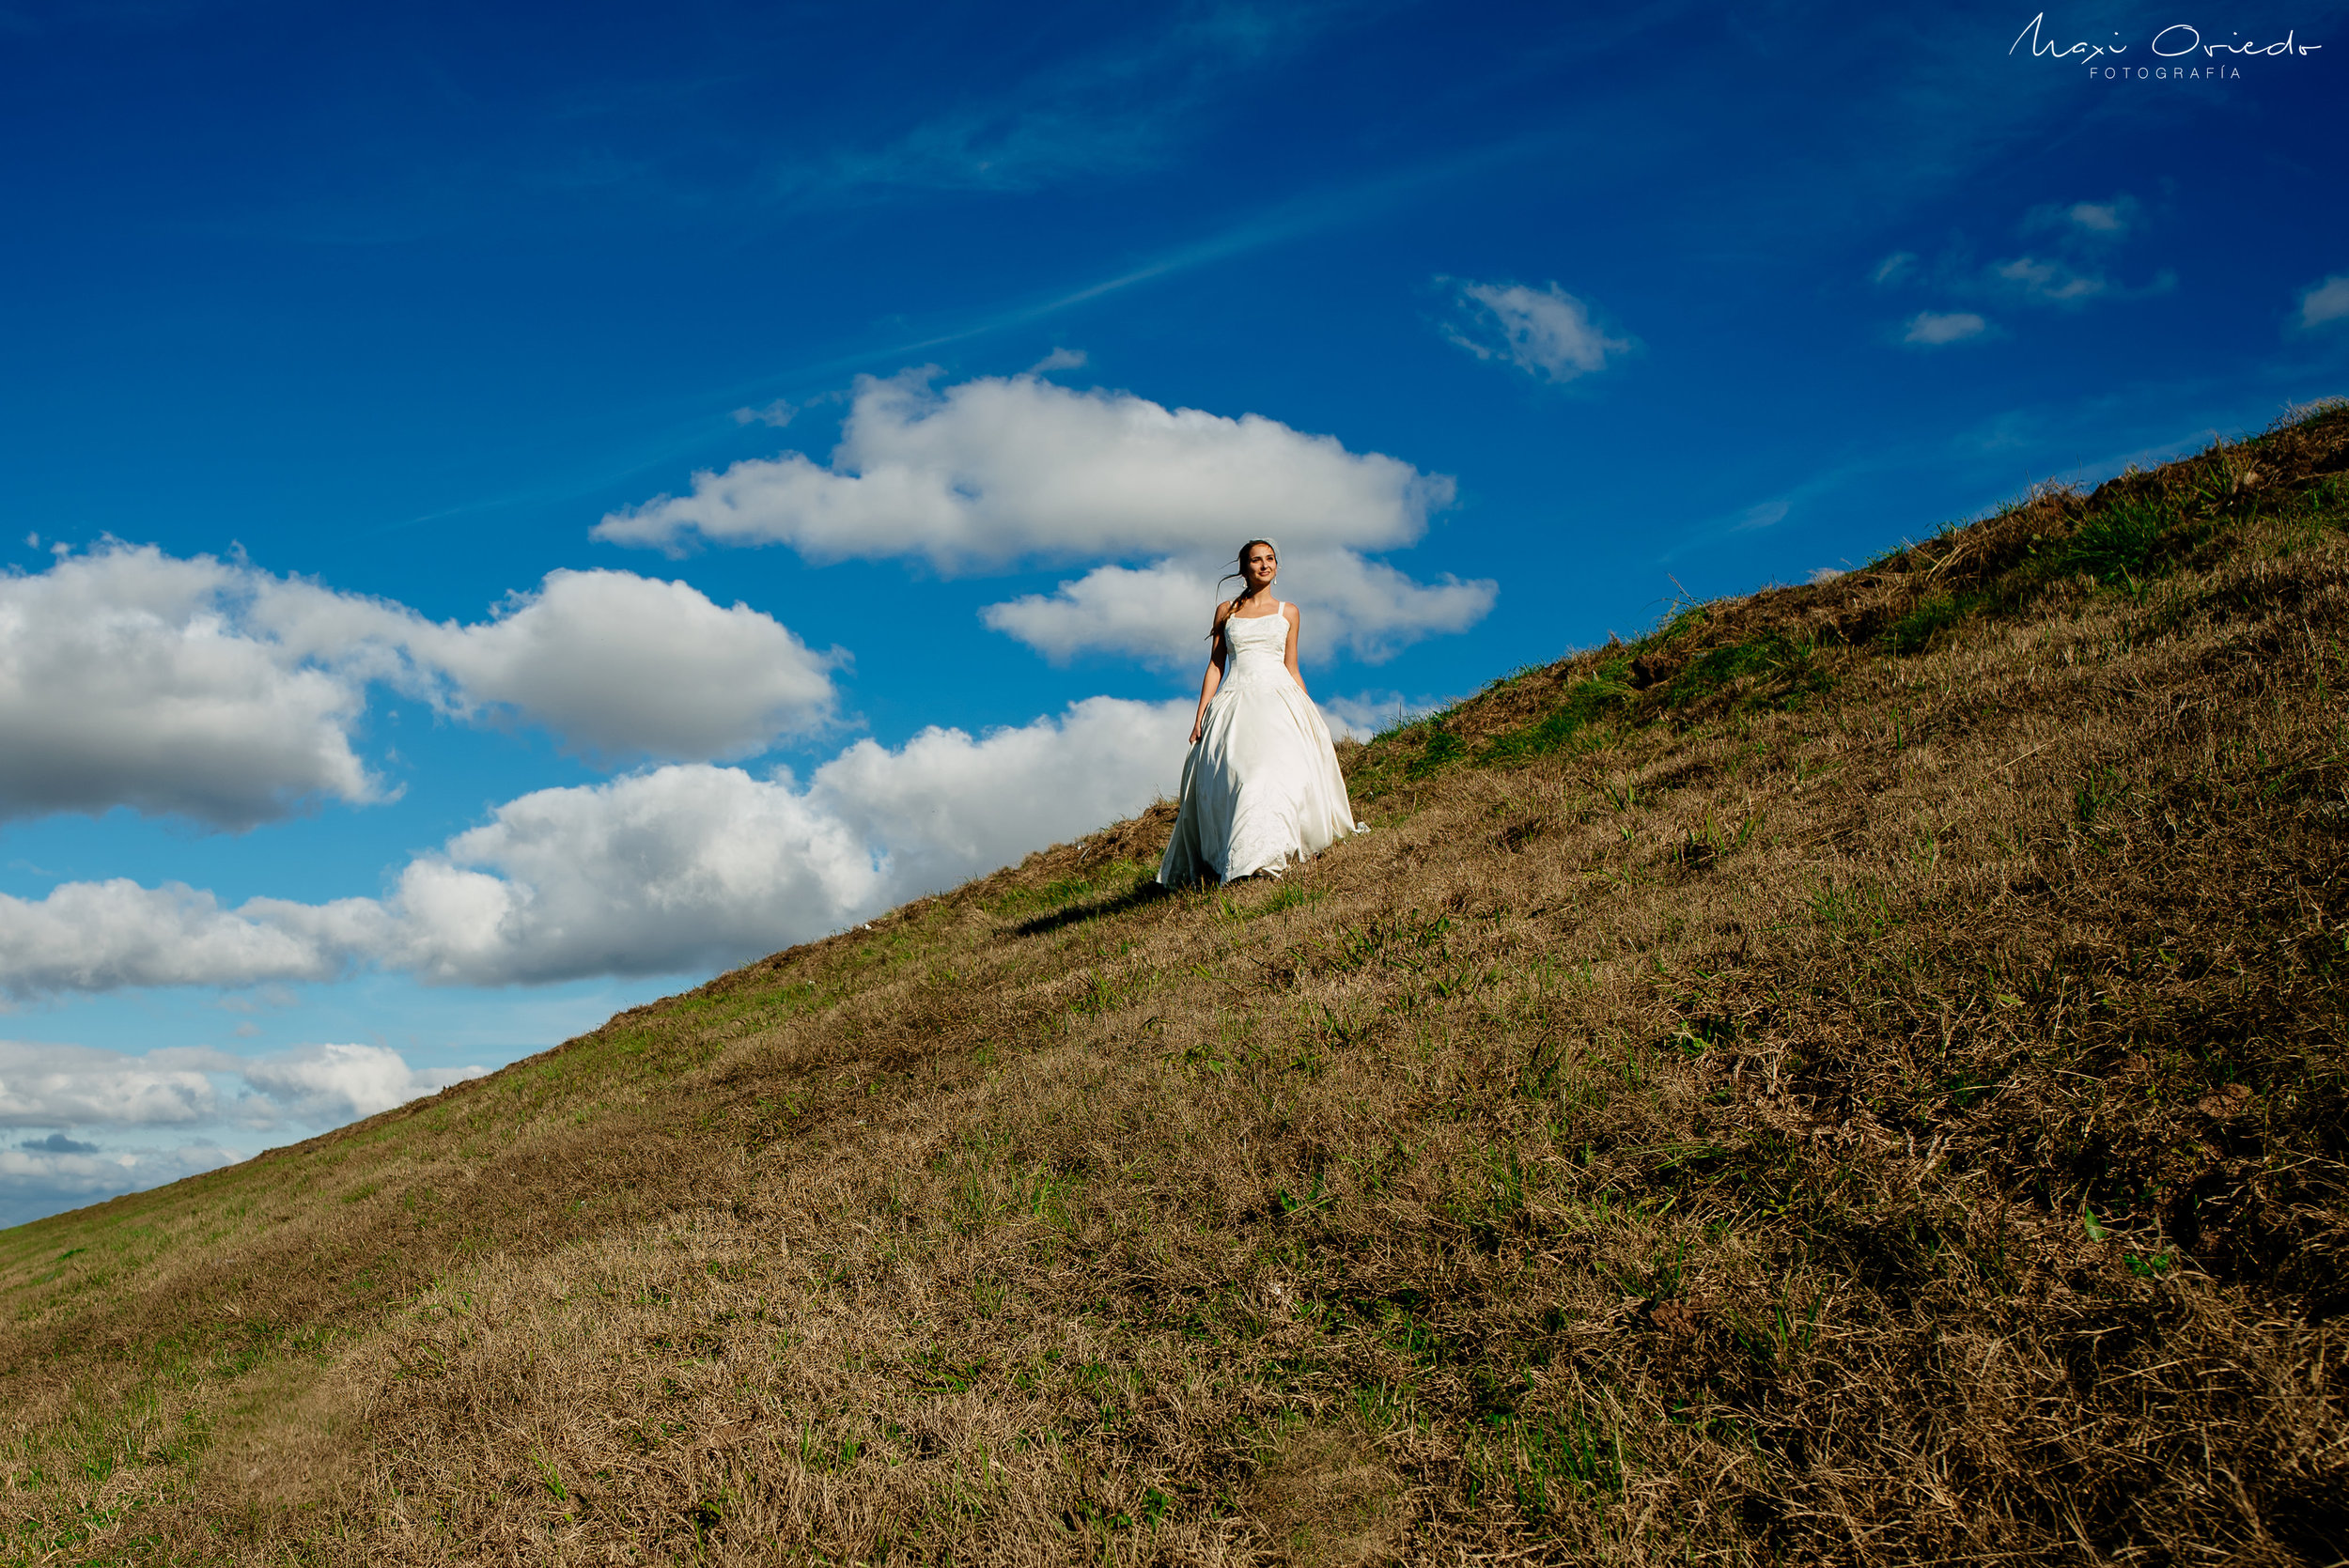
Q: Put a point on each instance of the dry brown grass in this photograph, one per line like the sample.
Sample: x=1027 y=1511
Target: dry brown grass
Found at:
x=1855 y=1076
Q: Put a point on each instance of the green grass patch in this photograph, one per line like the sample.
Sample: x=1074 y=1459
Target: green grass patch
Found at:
x=1440 y=751
x=2120 y=540
x=1587 y=703
x=1117 y=877
x=1916 y=631
x=1776 y=671
x=1289 y=897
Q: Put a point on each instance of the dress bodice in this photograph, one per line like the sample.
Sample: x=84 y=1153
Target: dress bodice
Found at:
x=1256 y=647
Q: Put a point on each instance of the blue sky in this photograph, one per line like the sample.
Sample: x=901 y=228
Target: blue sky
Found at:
x=510 y=510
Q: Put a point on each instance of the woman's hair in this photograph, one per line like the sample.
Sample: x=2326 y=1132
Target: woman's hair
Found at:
x=1242 y=572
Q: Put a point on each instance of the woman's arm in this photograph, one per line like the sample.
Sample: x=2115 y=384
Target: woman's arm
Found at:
x=1213 y=679
x=1296 y=626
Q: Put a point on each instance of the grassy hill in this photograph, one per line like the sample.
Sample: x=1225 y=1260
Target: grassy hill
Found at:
x=1855 y=1076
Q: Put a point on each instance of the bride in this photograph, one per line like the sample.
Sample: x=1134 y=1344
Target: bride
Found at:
x=1261 y=785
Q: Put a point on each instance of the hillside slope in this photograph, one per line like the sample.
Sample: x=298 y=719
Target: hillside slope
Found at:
x=1854 y=1076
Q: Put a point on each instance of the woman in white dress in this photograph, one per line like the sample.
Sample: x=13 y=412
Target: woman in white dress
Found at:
x=1261 y=786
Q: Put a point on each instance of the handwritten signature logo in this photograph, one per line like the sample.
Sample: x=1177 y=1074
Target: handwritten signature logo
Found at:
x=2177 y=41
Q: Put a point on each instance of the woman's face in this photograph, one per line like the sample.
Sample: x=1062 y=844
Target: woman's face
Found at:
x=1261 y=567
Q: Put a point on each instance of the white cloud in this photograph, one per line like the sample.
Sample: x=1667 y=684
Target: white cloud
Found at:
x=2054 y=282
x=331 y=1084
x=777 y=414
x=2088 y=222
x=2042 y=280
x=683 y=867
x=104 y=936
x=690 y=867
x=2100 y=217
x=1544 y=331
x=1162 y=612
x=42 y=1177
x=1059 y=359
x=76 y=1086
x=945 y=807
x=992 y=471
x=2082 y=236
x=622 y=664
x=322 y=1085
x=1007 y=467
x=218 y=692
x=1934 y=328
x=1365 y=713
x=2325 y=301
x=127 y=677
x=2084 y=233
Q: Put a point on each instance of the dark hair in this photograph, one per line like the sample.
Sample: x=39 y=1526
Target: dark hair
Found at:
x=1242 y=573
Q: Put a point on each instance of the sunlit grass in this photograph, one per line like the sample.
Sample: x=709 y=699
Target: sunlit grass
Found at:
x=1856 y=1074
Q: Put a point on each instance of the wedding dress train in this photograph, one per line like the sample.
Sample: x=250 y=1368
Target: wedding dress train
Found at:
x=1262 y=786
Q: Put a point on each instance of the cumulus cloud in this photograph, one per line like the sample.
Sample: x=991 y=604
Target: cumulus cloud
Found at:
x=80 y=1086
x=328 y=1085
x=2325 y=301
x=215 y=690
x=1002 y=469
x=1544 y=331
x=42 y=1177
x=1157 y=613
x=694 y=866
x=1162 y=612
x=988 y=472
x=128 y=677
x=76 y=1086
x=1931 y=329
x=687 y=866
x=1364 y=714
x=621 y=664
x=946 y=807
x=104 y=936
x=182 y=1091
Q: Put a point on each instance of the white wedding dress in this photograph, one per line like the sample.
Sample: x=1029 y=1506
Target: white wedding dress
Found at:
x=1262 y=786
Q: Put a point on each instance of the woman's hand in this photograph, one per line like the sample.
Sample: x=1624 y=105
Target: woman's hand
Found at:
x=1198 y=727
